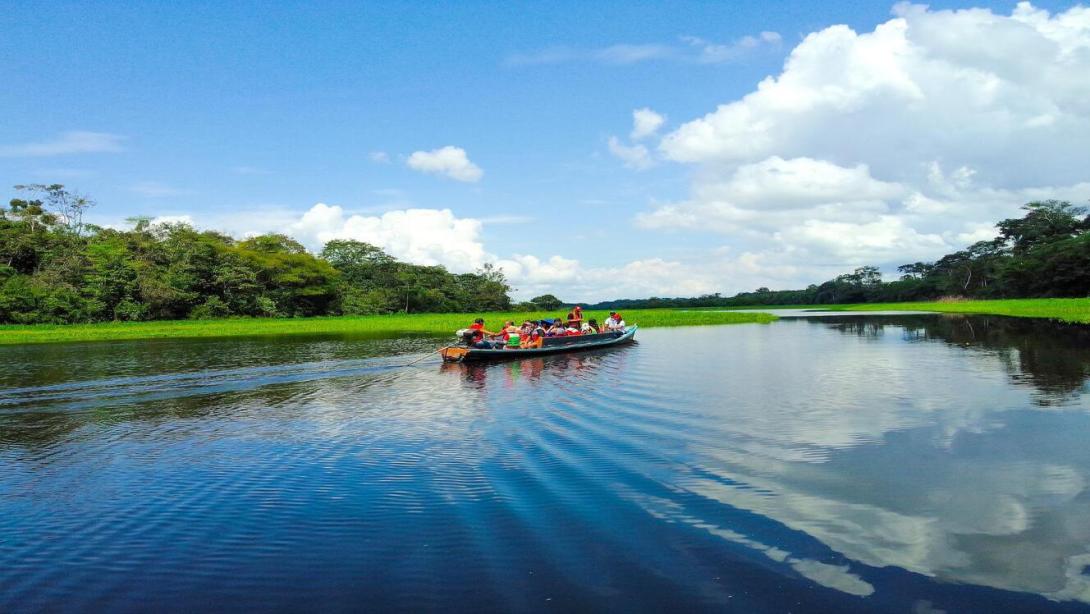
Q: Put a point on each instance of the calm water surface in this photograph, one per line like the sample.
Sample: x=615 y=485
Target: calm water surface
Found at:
x=879 y=463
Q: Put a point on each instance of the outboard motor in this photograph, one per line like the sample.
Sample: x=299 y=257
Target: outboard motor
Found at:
x=466 y=335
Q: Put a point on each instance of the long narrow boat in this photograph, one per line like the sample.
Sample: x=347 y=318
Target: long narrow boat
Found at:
x=551 y=345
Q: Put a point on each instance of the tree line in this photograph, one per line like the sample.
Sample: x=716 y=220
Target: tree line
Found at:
x=1044 y=253
x=54 y=268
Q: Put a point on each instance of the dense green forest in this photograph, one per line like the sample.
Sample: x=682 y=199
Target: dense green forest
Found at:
x=1044 y=253
x=54 y=268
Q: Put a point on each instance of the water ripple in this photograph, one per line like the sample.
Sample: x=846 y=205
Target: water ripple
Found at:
x=669 y=474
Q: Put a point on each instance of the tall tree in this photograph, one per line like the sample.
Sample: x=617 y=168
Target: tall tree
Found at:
x=548 y=302
x=70 y=206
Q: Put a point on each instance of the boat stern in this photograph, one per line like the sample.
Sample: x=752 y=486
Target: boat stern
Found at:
x=453 y=354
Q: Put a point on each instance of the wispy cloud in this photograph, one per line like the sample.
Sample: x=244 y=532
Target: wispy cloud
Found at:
x=389 y=192
x=507 y=219
x=155 y=189
x=250 y=170
x=63 y=174
x=379 y=157
x=614 y=54
x=633 y=156
x=690 y=49
x=75 y=142
x=707 y=52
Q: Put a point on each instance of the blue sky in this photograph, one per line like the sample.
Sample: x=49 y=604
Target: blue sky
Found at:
x=243 y=116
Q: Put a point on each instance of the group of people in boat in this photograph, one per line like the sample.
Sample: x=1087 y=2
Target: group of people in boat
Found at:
x=532 y=333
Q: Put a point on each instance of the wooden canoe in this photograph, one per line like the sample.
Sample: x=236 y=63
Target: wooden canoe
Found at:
x=552 y=345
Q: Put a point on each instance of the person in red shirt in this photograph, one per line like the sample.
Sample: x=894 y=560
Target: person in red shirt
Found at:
x=478 y=332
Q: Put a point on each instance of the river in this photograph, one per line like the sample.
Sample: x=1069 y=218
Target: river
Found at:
x=896 y=463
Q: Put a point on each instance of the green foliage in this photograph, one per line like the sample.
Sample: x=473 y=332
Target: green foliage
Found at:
x=547 y=302
x=372 y=282
x=1075 y=310
x=55 y=269
x=434 y=324
x=212 y=307
x=67 y=207
x=1044 y=222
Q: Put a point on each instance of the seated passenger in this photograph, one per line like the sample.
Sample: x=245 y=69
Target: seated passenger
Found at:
x=557 y=329
x=512 y=336
x=535 y=340
x=590 y=327
x=615 y=323
x=477 y=333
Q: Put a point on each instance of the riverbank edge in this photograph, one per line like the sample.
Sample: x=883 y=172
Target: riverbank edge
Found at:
x=1072 y=310
x=373 y=326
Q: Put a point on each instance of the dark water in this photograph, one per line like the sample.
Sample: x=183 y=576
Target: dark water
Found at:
x=895 y=464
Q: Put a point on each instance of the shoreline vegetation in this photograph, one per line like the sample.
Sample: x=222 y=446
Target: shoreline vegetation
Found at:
x=63 y=280
x=1043 y=254
x=1072 y=310
x=437 y=324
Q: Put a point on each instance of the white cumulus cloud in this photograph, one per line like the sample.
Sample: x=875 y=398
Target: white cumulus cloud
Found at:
x=448 y=161
x=645 y=122
x=896 y=144
x=421 y=236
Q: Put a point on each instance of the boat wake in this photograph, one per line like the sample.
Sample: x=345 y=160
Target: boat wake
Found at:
x=89 y=394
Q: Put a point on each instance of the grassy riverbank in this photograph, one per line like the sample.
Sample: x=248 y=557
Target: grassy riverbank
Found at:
x=389 y=325
x=1065 y=309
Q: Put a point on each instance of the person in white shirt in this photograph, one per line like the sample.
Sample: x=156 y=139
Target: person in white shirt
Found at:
x=614 y=323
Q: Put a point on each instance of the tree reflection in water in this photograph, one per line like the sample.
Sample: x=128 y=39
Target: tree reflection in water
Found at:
x=881 y=458
x=1051 y=357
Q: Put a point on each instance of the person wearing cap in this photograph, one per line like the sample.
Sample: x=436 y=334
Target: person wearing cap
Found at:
x=614 y=323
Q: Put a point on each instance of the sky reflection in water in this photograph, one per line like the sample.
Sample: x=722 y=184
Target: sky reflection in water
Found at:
x=848 y=463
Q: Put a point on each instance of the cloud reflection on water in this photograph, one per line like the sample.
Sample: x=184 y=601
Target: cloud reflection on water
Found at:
x=924 y=458
x=853 y=454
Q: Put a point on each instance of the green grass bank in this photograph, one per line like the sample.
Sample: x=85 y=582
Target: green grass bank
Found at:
x=1064 y=309
x=387 y=325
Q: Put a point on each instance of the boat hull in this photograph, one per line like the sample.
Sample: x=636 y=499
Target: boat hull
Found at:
x=559 y=345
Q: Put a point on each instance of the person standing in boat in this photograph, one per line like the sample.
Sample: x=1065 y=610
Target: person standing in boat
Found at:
x=575 y=317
